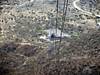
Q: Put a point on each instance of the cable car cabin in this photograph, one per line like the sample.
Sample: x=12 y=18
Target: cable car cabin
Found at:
x=54 y=37
x=97 y=22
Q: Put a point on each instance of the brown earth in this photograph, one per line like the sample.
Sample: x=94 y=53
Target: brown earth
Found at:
x=80 y=57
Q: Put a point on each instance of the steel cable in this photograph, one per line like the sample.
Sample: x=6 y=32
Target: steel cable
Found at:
x=62 y=28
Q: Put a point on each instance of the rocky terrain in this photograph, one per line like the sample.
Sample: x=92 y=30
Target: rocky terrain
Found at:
x=23 y=52
x=79 y=57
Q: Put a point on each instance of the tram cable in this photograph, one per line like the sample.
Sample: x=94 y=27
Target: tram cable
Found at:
x=62 y=28
x=57 y=10
x=56 y=27
x=63 y=21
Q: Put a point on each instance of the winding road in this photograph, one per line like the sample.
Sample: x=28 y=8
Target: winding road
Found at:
x=85 y=12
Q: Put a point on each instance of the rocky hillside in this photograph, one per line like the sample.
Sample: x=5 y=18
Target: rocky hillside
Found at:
x=22 y=52
x=79 y=57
